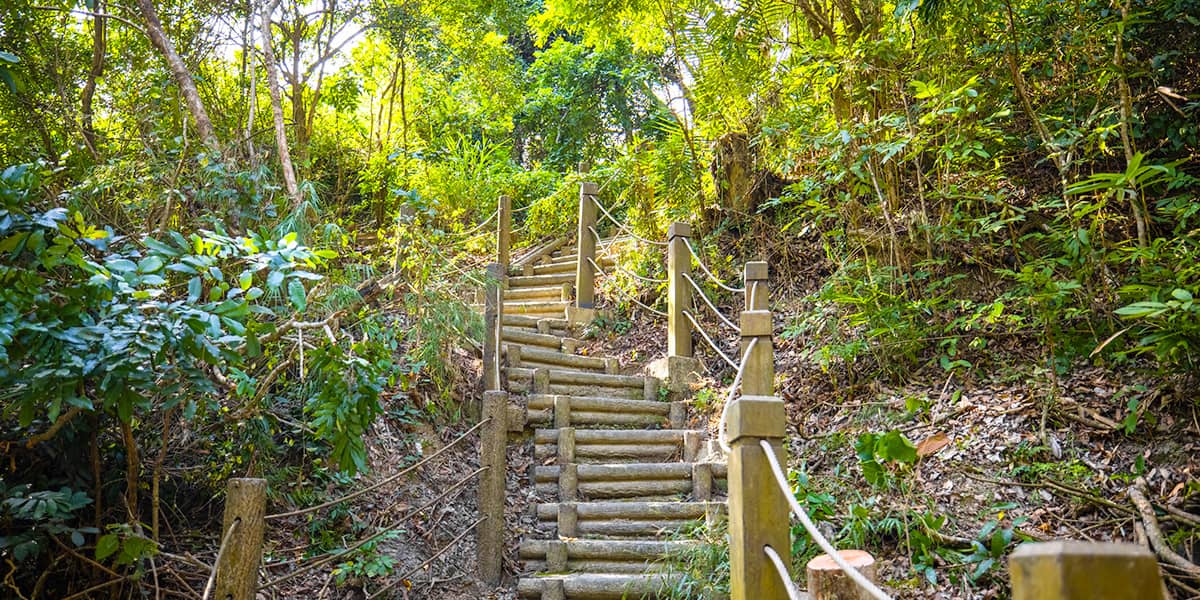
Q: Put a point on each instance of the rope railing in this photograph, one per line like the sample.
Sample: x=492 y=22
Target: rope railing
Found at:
x=709 y=273
x=624 y=227
x=733 y=388
x=428 y=561
x=382 y=483
x=782 y=571
x=618 y=266
x=481 y=225
x=212 y=577
x=826 y=547
x=341 y=553
x=628 y=296
x=711 y=343
x=724 y=320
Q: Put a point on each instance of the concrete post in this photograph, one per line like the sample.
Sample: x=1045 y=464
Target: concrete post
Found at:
x=758 y=512
x=1069 y=570
x=585 y=274
x=759 y=376
x=493 y=318
x=492 y=456
x=679 y=291
x=245 y=509
x=756 y=285
x=504 y=235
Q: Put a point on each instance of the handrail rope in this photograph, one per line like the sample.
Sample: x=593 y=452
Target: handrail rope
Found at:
x=383 y=482
x=725 y=320
x=481 y=225
x=711 y=343
x=412 y=571
x=826 y=547
x=704 y=267
x=781 y=570
x=341 y=553
x=212 y=577
x=629 y=296
x=448 y=260
x=622 y=226
x=638 y=277
x=737 y=380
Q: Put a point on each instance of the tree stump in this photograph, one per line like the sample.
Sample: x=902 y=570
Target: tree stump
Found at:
x=827 y=581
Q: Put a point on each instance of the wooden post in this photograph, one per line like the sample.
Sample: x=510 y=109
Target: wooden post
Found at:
x=585 y=275
x=758 y=512
x=493 y=457
x=245 y=510
x=827 y=581
x=493 y=318
x=756 y=285
x=759 y=376
x=504 y=236
x=679 y=291
x=1069 y=570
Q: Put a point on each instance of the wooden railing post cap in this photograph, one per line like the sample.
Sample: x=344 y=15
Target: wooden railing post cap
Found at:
x=679 y=230
x=756 y=323
x=757 y=417
x=501 y=395
x=588 y=188
x=1073 y=569
x=756 y=270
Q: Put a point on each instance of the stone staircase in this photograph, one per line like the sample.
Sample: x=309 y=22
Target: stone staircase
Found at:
x=617 y=474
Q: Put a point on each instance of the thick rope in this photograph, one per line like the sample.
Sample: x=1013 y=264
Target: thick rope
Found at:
x=494 y=214
x=704 y=267
x=384 y=482
x=711 y=343
x=737 y=380
x=725 y=320
x=781 y=570
x=629 y=296
x=826 y=547
x=212 y=577
x=622 y=226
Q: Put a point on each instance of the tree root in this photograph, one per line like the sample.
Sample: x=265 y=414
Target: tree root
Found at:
x=1137 y=495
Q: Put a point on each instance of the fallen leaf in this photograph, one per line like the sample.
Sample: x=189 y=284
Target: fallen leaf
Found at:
x=932 y=444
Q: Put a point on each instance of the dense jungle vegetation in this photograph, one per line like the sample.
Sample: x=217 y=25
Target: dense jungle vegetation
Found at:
x=236 y=234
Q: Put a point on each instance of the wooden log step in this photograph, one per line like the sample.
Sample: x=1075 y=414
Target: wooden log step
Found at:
x=561 y=376
x=516 y=335
x=630 y=472
x=624 y=519
x=598 y=453
x=608 y=550
x=535 y=358
x=551 y=292
x=614 y=436
x=555 y=267
x=604 y=405
x=596 y=586
x=633 y=480
x=529 y=321
x=536 y=308
x=524 y=383
x=545 y=416
x=521 y=281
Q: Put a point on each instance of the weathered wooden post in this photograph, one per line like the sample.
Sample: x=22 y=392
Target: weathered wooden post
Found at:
x=755 y=281
x=679 y=291
x=493 y=458
x=827 y=580
x=584 y=309
x=504 y=234
x=758 y=512
x=1069 y=570
x=493 y=323
x=245 y=515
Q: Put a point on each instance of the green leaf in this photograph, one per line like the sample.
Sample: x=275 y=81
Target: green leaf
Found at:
x=274 y=279
x=150 y=264
x=107 y=545
x=894 y=446
x=297 y=295
x=195 y=287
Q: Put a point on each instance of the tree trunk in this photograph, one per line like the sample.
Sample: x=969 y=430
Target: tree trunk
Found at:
x=285 y=157
x=183 y=78
x=99 y=46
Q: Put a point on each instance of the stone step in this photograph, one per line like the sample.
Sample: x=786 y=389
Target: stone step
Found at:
x=597 y=446
x=634 y=480
x=526 y=337
x=625 y=519
x=534 y=358
x=596 y=586
x=598 y=556
x=548 y=292
x=523 y=281
x=592 y=410
x=580 y=383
